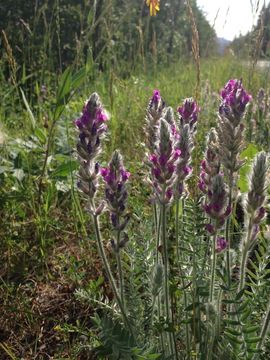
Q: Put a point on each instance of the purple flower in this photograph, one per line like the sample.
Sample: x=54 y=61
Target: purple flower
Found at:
x=115 y=177
x=169 y=193
x=188 y=112
x=221 y=244
x=156 y=96
x=210 y=228
x=202 y=186
x=235 y=99
x=183 y=169
x=216 y=205
x=210 y=166
x=91 y=126
x=163 y=162
x=260 y=214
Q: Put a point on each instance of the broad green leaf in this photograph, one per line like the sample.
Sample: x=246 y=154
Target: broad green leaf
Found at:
x=64 y=85
x=40 y=134
x=248 y=154
x=58 y=111
x=65 y=169
x=31 y=116
x=78 y=78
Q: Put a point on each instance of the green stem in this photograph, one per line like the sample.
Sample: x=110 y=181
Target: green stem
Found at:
x=182 y=272
x=177 y=230
x=157 y=219
x=166 y=272
x=121 y=279
x=109 y=273
x=158 y=234
x=161 y=335
x=245 y=249
x=227 y=236
x=119 y=268
x=213 y=268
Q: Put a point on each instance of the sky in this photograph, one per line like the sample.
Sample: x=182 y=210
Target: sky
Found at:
x=231 y=18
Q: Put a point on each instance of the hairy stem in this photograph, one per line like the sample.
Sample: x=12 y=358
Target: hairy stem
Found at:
x=166 y=273
x=227 y=234
x=213 y=268
x=182 y=272
x=119 y=268
x=109 y=274
x=245 y=249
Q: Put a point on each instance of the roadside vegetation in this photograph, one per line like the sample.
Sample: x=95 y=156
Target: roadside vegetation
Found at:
x=134 y=216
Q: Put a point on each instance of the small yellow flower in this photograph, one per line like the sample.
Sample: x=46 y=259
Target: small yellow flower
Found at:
x=154 y=6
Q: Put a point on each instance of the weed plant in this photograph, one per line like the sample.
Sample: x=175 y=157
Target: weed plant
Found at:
x=195 y=294
x=41 y=212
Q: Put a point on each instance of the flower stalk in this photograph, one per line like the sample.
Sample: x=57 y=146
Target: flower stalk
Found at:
x=92 y=128
x=230 y=129
x=254 y=211
x=115 y=177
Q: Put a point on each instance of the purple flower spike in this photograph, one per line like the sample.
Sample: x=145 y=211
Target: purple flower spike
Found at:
x=221 y=244
x=163 y=163
x=188 y=112
x=216 y=206
x=156 y=96
x=235 y=99
x=91 y=129
x=202 y=186
x=101 y=115
x=115 y=177
x=169 y=193
x=125 y=174
x=177 y=154
x=210 y=228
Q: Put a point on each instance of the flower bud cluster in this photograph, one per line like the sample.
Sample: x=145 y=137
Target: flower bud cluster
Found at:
x=183 y=167
x=254 y=204
x=210 y=166
x=230 y=129
x=169 y=117
x=188 y=113
x=221 y=244
x=217 y=204
x=115 y=177
x=188 y=116
x=169 y=145
x=261 y=102
x=92 y=127
x=163 y=163
x=154 y=112
x=234 y=101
